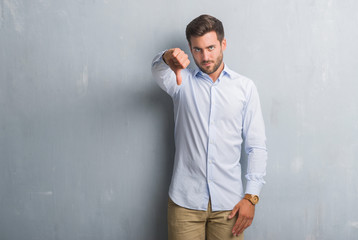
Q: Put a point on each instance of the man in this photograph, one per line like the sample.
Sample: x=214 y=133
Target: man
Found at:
x=215 y=110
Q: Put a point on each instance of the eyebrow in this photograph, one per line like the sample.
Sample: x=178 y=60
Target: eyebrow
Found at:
x=201 y=48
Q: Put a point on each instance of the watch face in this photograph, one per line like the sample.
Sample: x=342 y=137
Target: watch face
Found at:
x=252 y=198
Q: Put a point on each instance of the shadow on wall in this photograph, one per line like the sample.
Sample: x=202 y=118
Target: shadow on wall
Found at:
x=158 y=106
x=139 y=120
x=165 y=105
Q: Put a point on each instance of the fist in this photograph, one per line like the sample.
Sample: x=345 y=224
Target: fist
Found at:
x=177 y=60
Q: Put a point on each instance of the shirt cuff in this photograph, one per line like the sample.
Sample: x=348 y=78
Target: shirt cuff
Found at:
x=253 y=187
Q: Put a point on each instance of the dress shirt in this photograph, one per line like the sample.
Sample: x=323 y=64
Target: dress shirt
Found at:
x=212 y=119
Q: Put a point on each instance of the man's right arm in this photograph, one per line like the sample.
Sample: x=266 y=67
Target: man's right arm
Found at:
x=167 y=66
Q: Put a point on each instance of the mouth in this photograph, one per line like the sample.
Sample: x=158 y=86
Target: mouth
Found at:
x=207 y=63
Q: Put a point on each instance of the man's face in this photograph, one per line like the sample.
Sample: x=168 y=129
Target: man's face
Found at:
x=207 y=52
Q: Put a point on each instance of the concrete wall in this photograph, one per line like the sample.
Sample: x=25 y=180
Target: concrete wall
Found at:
x=86 y=136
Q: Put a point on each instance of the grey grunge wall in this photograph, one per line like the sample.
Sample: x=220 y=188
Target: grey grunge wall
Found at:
x=86 y=136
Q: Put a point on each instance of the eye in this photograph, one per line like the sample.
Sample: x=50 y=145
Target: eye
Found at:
x=197 y=49
x=211 y=48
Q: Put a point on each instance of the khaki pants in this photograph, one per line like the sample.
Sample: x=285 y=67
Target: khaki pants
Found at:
x=187 y=224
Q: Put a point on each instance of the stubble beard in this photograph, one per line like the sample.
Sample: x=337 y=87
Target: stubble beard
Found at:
x=216 y=66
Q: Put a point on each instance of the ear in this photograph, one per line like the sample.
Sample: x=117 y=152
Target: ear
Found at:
x=223 y=44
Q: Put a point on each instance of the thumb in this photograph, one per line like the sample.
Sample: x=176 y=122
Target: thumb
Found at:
x=178 y=75
x=233 y=212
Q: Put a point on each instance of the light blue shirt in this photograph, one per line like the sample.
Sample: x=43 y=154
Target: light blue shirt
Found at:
x=212 y=119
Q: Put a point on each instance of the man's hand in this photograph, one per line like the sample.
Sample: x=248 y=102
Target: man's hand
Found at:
x=177 y=60
x=246 y=212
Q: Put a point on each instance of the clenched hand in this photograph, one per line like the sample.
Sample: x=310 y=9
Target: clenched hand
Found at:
x=177 y=60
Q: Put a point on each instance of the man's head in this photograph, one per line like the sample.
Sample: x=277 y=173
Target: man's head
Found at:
x=202 y=25
x=206 y=40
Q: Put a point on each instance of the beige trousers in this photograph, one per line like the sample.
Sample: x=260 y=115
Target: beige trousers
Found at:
x=187 y=224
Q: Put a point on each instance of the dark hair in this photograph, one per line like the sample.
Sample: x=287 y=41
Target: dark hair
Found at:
x=204 y=24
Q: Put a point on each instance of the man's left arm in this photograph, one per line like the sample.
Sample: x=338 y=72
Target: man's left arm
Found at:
x=255 y=147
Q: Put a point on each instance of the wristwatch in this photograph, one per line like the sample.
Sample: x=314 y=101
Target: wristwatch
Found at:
x=254 y=199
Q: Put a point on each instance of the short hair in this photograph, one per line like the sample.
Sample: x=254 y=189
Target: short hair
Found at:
x=204 y=24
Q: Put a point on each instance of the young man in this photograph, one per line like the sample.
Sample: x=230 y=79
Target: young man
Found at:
x=215 y=110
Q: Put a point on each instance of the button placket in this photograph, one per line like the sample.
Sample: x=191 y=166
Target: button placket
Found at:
x=212 y=130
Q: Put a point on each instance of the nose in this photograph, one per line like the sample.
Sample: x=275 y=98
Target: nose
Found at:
x=205 y=55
